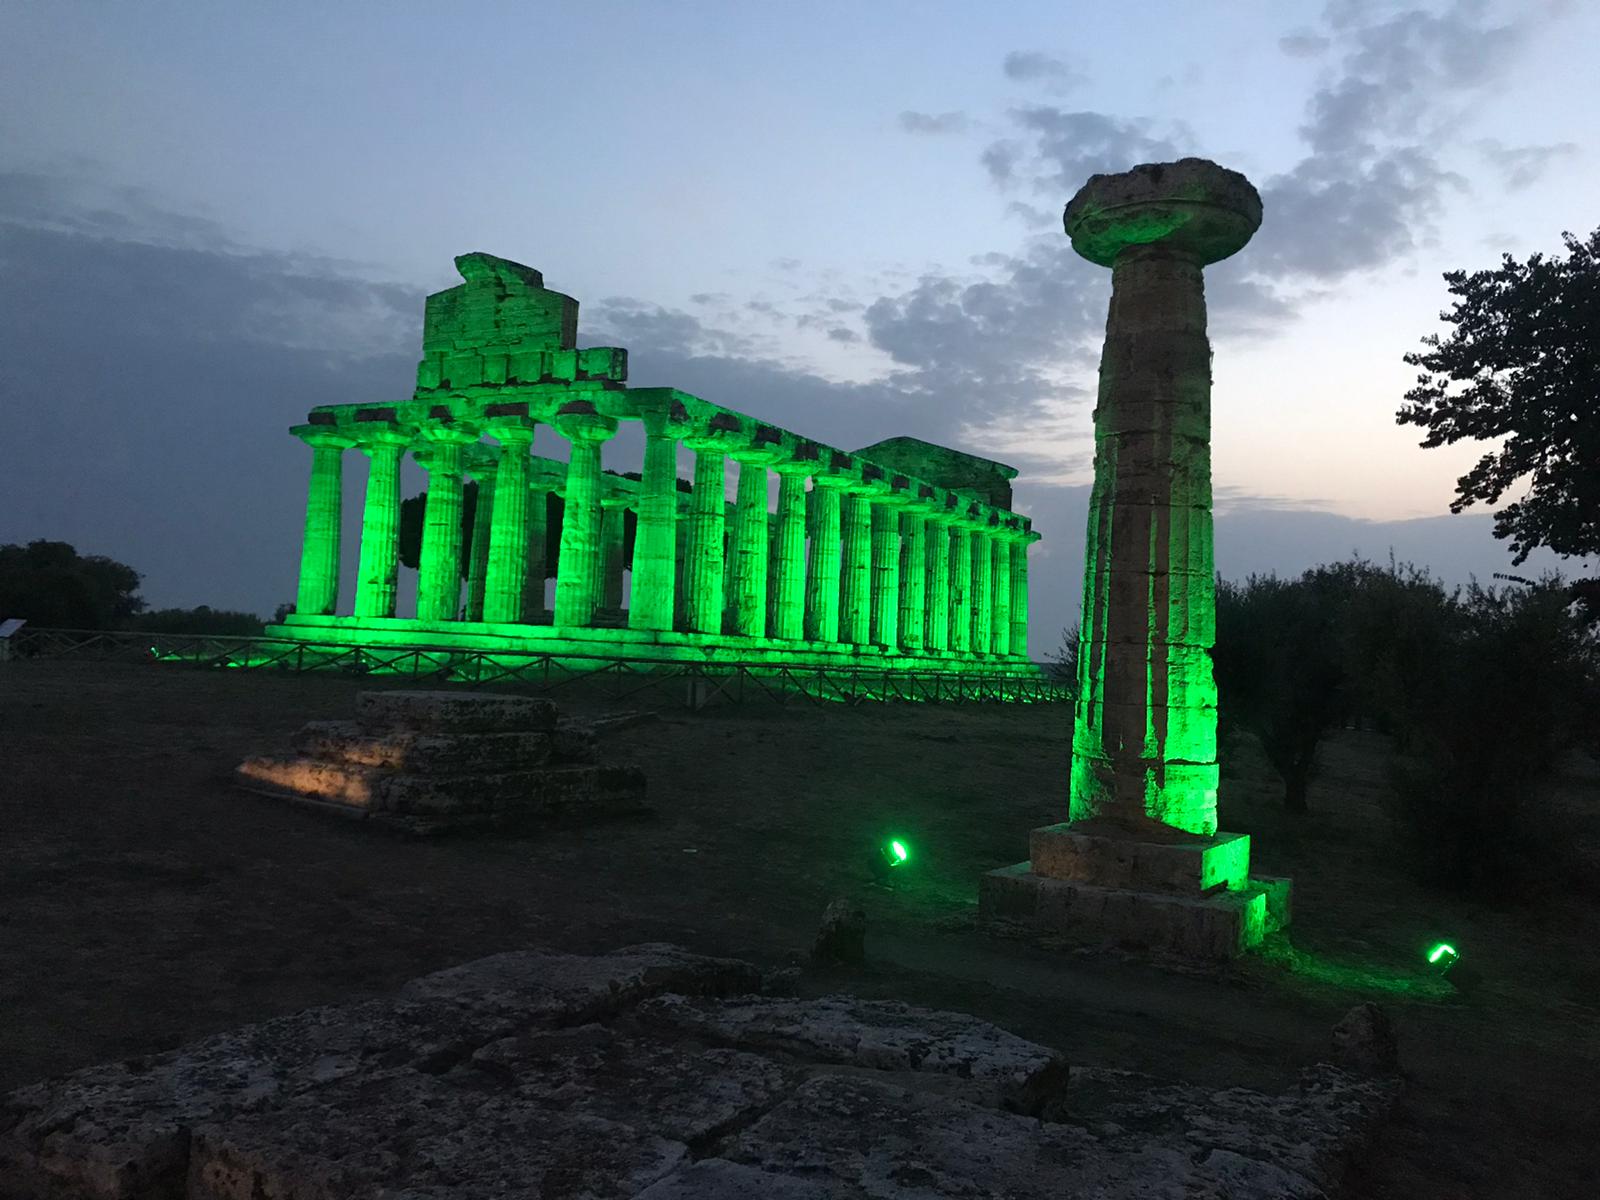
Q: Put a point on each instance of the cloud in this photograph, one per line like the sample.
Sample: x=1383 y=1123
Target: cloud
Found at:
x=840 y=334
x=1303 y=44
x=1521 y=166
x=1027 y=66
x=918 y=122
x=1059 y=150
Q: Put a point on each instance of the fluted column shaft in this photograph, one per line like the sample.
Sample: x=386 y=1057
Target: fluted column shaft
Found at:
x=913 y=579
x=538 y=550
x=937 y=600
x=655 y=540
x=318 y=593
x=478 y=546
x=1000 y=586
x=789 y=558
x=982 y=593
x=613 y=541
x=1019 y=597
x=825 y=566
x=885 y=575
x=706 y=550
x=506 y=578
x=960 y=589
x=439 y=586
x=380 y=528
x=578 y=567
x=749 y=590
x=855 y=572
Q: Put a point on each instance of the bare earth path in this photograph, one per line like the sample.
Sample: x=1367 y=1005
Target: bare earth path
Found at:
x=144 y=902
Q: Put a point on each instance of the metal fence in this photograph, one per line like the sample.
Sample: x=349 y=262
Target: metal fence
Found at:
x=698 y=685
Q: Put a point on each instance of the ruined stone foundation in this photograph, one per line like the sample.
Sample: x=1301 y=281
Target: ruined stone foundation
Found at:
x=433 y=762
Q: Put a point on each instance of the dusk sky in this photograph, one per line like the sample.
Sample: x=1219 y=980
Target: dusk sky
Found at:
x=843 y=218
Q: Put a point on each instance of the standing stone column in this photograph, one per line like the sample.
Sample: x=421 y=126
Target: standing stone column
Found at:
x=613 y=541
x=1000 y=588
x=825 y=568
x=482 y=463
x=380 y=522
x=982 y=593
x=703 y=574
x=885 y=573
x=789 y=554
x=506 y=576
x=938 y=623
x=439 y=585
x=538 y=551
x=318 y=594
x=655 y=540
x=960 y=587
x=748 y=593
x=855 y=570
x=578 y=567
x=1144 y=733
x=1019 y=593
x=913 y=579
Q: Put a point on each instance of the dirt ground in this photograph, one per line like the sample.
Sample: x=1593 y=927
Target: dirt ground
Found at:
x=145 y=902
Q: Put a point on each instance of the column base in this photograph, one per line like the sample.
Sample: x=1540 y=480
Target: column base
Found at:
x=1179 y=894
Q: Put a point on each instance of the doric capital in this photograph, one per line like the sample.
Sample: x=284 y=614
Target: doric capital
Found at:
x=323 y=436
x=721 y=434
x=511 y=430
x=447 y=432
x=578 y=421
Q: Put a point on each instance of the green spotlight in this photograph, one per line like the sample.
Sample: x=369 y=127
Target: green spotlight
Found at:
x=889 y=855
x=1443 y=955
x=897 y=853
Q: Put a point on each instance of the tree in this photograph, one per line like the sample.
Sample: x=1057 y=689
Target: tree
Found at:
x=1522 y=363
x=204 y=619
x=51 y=584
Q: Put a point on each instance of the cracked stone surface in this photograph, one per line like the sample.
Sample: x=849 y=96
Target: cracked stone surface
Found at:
x=653 y=1072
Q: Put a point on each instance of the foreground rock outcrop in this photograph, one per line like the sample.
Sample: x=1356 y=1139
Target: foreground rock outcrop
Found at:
x=653 y=1073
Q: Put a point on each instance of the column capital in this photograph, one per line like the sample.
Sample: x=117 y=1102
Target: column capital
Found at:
x=721 y=434
x=318 y=435
x=510 y=429
x=580 y=421
x=451 y=433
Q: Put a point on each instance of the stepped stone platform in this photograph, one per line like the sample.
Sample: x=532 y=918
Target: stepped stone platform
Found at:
x=436 y=762
x=1155 y=889
x=654 y=1073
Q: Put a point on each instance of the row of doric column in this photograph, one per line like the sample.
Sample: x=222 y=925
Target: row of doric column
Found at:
x=856 y=560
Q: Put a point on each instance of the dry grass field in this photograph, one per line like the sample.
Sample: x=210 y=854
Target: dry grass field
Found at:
x=144 y=901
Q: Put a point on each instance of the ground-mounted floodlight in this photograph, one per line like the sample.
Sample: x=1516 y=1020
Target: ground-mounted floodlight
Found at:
x=1442 y=956
x=890 y=858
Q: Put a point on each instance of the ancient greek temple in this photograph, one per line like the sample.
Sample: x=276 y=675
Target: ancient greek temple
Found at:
x=901 y=554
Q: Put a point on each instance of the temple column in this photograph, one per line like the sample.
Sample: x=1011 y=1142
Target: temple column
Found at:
x=380 y=523
x=855 y=569
x=748 y=593
x=1019 y=593
x=1000 y=587
x=885 y=573
x=789 y=555
x=439 y=585
x=578 y=567
x=938 y=623
x=655 y=539
x=913 y=579
x=613 y=541
x=680 y=605
x=483 y=465
x=506 y=576
x=318 y=594
x=538 y=551
x=960 y=588
x=703 y=575
x=825 y=566
x=982 y=592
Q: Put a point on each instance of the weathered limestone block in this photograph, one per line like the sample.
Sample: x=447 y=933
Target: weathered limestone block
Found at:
x=1178 y=863
x=410 y=750
x=358 y=787
x=455 y=712
x=576 y=742
x=1003 y=1069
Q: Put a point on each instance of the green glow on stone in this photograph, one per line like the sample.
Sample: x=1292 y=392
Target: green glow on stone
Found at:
x=897 y=852
x=1443 y=950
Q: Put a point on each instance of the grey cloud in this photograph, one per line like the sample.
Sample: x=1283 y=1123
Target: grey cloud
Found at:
x=1520 y=166
x=1303 y=45
x=1030 y=65
x=1068 y=147
x=840 y=334
x=919 y=122
x=1000 y=160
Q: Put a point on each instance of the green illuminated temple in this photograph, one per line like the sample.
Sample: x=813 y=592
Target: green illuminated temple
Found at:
x=903 y=554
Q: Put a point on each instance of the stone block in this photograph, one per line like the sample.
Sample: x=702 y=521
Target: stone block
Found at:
x=1219 y=926
x=1278 y=890
x=1086 y=852
x=455 y=712
x=527 y=793
x=357 y=787
x=575 y=743
x=412 y=750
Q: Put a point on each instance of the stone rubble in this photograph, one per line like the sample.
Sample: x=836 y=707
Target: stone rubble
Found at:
x=434 y=762
x=655 y=1073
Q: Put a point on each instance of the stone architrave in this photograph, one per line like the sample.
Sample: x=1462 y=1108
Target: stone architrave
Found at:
x=1141 y=859
x=377 y=573
x=318 y=593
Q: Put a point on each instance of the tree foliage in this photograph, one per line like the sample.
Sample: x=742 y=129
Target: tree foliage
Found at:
x=51 y=584
x=1522 y=363
x=203 y=619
